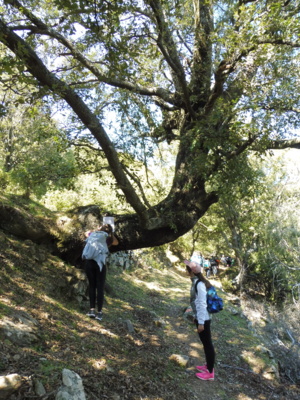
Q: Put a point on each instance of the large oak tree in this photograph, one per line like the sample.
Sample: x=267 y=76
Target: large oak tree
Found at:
x=218 y=78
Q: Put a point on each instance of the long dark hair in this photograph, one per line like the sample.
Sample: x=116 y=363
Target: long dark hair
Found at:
x=108 y=229
x=200 y=276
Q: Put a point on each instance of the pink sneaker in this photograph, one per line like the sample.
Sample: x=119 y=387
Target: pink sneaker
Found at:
x=202 y=368
x=206 y=376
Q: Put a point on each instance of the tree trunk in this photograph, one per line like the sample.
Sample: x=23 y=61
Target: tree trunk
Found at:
x=169 y=220
x=189 y=107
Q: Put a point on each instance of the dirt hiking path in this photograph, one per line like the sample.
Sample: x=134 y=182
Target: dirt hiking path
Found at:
x=234 y=378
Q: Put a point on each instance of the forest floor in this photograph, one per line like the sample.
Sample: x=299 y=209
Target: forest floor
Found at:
x=130 y=354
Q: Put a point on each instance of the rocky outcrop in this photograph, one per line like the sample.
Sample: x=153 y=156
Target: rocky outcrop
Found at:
x=19 y=222
x=72 y=388
x=20 y=329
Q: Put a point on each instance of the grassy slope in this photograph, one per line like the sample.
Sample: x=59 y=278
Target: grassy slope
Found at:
x=113 y=363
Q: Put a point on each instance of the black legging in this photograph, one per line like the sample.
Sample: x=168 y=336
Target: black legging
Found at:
x=205 y=337
x=96 y=280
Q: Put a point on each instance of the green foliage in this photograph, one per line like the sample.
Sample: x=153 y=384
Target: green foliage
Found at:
x=4 y=180
x=276 y=253
x=227 y=284
x=257 y=222
x=114 y=50
x=34 y=154
x=202 y=84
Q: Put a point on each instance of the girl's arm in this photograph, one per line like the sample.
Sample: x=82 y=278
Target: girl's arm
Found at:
x=200 y=302
x=115 y=241
x=112 y=241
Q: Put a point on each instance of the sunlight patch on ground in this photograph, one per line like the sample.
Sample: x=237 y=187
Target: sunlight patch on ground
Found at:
x=95 y=327
x=181 y=336
x=194 y=353
x=99 y=364
x=5 y=300
x=215 y=283
x=243 y=396
x=254 y=362
x=154 y=340
x=156 y=286
x=152 y=285
x=108 y=333
x=177 y=290
x=195 y=346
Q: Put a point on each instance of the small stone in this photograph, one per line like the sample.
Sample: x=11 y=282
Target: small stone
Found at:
x=9 y=384
x=39 y=388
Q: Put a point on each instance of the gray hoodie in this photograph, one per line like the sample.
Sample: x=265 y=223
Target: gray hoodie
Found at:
x=96 y=248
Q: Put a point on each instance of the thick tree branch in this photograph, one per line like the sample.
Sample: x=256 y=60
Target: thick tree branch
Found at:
x=43 y=29
x=168 y=48
x=280 y=42
x=282 y=144
x=279 y=107
x=232 y=154
x=202 y=52
x=275 y=145
x=225 y=68
x=138 y=183
x=36 y=67
x=250 y=144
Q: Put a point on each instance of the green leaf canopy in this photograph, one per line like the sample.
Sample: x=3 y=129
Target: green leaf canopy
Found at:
x=215 y=78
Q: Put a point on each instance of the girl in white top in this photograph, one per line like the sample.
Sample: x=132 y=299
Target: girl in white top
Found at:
x=202 y=319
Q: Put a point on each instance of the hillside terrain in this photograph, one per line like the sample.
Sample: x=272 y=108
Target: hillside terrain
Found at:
x=135 y=352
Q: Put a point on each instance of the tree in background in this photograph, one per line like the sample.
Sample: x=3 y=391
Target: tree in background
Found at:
x=274 y=263
x=217 y=78
x=256 y=222
x=34 y=155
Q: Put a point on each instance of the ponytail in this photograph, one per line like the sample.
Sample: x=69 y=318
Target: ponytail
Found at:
x=201 y=278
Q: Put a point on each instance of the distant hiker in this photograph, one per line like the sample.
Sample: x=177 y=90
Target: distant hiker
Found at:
x=228 y=261
x=94 y=255
x=198 y=258
x=198 y=299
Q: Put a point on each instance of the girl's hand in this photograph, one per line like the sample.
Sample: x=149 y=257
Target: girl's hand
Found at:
x=200 y=328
